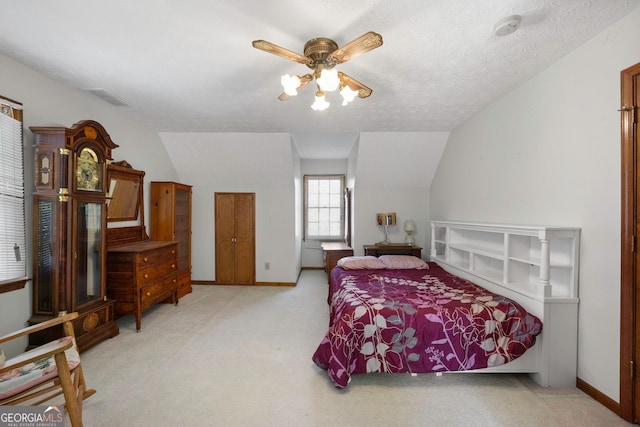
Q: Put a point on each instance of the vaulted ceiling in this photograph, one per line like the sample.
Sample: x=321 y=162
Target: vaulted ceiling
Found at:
x=188 y=65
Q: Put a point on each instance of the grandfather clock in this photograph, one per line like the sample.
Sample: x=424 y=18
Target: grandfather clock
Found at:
x=70 y=221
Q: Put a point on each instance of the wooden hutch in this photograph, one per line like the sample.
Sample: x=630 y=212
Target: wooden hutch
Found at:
x=171 y=220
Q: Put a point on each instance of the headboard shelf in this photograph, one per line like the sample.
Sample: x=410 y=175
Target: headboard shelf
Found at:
x=537 y=266
x=538 y=261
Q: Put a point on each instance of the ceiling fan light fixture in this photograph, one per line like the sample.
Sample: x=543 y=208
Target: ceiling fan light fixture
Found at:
x=320 y=103
x=348 y=95
x=290 y=84
x=328 y=80
x=321 y=55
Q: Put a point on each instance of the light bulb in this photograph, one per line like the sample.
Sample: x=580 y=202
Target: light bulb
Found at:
x=290 y=84
x=320 y=103
x=328 y=80
x=348 y=95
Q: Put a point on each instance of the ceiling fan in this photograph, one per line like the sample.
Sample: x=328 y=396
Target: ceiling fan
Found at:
x=322 y=55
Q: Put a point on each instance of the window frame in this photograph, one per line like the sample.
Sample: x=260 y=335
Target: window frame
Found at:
x=13 y=109
x=343 y=225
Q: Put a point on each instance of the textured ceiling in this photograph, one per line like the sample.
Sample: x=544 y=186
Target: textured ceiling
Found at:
x=188 y=65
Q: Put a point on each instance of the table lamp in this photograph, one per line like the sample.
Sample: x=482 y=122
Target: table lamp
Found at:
x=385 y=220
x=409 y=228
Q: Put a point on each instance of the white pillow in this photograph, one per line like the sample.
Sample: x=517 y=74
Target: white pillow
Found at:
x=401 y=262
x=367 y=262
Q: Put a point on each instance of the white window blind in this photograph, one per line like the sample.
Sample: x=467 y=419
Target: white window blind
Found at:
x=12 y=213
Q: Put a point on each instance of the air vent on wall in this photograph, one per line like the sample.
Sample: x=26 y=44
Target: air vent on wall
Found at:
x=106 y=96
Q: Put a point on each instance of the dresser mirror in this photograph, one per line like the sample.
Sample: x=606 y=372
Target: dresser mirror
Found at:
x=125 y=193
x=125 y=208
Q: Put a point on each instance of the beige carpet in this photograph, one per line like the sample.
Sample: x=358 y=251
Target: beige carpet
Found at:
x=241 y=356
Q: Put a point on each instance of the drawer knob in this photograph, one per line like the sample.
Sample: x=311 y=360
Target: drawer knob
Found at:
x=146 y=275
x=173 y=251
x=148 y=293
x=173 y=266
x=174 y=280
x=145 y=259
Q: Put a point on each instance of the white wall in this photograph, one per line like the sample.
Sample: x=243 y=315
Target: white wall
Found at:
x=274 y=229
x=393 y=173
x=548 y=152
x=240 y=162
x=297 y=194
x=48 y=103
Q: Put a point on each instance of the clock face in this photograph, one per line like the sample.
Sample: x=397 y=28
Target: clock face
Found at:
x=88 y=172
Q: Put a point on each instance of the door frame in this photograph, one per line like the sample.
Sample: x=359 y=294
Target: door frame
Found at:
x=628 y=270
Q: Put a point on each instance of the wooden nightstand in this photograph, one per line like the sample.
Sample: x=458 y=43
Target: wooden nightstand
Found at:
x=393 y=249
x=332 y=252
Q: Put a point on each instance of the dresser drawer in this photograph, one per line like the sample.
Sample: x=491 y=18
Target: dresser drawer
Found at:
x=151 y=259
x=158 y=291
x=152 y=273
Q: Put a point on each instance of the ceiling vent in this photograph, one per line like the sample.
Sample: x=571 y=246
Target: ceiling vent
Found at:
x=106 y=96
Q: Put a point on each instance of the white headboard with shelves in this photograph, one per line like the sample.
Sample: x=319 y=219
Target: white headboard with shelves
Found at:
x=537 y=266
x=538 y=261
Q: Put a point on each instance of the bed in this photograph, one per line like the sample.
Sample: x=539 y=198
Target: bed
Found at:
x=399 y=314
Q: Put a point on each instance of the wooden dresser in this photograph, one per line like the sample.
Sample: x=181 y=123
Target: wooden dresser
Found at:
x=393 y=249
x=142 y=274
x=332 y=252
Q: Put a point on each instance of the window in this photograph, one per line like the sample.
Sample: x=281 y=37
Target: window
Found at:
x=324 y=207
x=12 y=214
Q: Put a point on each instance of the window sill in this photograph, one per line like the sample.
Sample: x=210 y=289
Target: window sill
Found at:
x=13 y=284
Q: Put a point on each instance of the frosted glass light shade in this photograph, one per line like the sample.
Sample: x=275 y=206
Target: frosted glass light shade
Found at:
x=328 y=80
x=320 y=103
x=290 y=84
x=348 y=95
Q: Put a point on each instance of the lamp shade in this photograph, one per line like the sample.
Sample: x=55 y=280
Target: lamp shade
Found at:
x=386 y=218
x=409 y=225
x=320 y=103
x=391 y=218
x=328 y=80
x=290 y=84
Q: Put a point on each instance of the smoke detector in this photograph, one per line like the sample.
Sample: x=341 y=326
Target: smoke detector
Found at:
x=507 y=26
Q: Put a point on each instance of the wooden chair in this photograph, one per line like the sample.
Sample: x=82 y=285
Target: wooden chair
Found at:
x=40 y=374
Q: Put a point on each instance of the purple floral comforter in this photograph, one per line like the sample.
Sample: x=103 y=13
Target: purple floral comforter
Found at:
x=418 y=321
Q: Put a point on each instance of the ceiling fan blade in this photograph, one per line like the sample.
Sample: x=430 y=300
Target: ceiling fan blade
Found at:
x=363 y=91
x=280 y=51
x=357 y=47
x=304 y=80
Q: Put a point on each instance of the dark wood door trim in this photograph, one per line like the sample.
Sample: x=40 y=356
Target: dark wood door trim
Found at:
x=235 y=256
x=629 y=218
